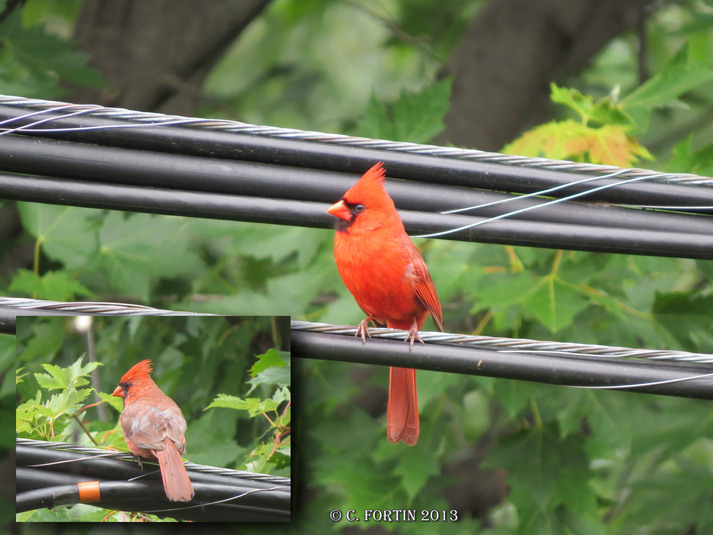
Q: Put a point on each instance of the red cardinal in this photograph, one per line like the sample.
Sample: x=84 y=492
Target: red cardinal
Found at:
x=154 y=428
x=387 y=276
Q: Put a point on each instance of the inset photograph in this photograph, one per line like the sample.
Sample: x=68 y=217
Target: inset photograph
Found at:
x=151 y=418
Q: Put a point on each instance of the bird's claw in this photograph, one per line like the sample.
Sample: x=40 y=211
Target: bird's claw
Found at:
x=363 y=330
x=413 y=336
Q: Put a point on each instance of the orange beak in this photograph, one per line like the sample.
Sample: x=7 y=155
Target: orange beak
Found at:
x=340 y=210
x=118 y=392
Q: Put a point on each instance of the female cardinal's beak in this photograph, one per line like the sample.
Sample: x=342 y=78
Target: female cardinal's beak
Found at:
x=119 y=392
x=340 y=210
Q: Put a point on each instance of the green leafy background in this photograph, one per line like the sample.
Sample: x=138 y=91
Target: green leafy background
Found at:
x=509 y=457
x=198 y=361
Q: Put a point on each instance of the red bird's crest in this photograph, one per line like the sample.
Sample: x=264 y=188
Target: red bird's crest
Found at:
x=387 y=276
x=369 y=189
x=142 y=369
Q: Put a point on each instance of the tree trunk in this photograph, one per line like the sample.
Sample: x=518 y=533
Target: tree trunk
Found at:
x=157 y=53
x=513 y=49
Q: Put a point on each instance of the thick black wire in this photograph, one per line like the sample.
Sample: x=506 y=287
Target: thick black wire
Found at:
x=108 y=468
x=310 y=214
x=7 y=322
x=143 y=497
x=350 y=159
x=108 y=165
x=55 y=484
x=589 y=372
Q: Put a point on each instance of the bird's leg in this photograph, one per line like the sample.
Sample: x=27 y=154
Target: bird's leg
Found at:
x=141 y=466
x=413 y=335
x=363 y=329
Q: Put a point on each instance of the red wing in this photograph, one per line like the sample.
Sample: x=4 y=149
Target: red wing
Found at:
x=425 y=289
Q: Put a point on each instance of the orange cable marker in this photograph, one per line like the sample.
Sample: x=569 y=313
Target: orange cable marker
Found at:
x=89 y=491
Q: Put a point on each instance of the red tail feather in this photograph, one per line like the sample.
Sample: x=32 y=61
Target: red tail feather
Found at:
x=176 y=482
x=402 y=411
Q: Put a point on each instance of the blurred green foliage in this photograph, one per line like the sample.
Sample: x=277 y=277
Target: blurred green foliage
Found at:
x=197 y=362
x=570 y=460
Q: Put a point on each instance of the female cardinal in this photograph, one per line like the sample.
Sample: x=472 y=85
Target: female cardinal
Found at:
x=154 y=428
x=387 y=276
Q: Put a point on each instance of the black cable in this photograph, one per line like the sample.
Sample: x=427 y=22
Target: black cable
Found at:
x=51 y=158
x=144 y=497
x=87 y=466
x=32 y=478
x=663 y=378
x=260 y=498
x=349 y=159
x=308 y=214
x=7 y=322
x=271 y=496
x=106 y=468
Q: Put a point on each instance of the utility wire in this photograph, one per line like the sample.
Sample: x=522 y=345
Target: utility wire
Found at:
x=556 y=366
x=83 y=122
x=11 y=307
x=513 y=344
x=121 y=159
x=55 y=473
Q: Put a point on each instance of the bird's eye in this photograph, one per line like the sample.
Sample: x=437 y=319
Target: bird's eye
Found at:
x=359 y=208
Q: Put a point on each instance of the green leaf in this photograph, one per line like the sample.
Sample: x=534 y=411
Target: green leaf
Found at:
x=42 y=53
x=554 y=304
x=687 y=160
x=211 y=439
x=569 y=140
x=270 y=358
x=417 y=464
x=254 y=406
x=140 y=248
x=58 y=378
x=414 y=117
x=687 y=316
x=65 y=233
x=116 y=402
x=53 y=285
x=680 y=75
x=47 y=336
x=271 y=376
x=605 y=111
x=544 y=471
x=67 y=402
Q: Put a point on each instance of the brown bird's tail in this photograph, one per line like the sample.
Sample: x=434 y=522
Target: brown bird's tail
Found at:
x=402 y=412
x=176 y=482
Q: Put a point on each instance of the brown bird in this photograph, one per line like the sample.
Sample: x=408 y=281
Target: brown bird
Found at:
x=154 y=428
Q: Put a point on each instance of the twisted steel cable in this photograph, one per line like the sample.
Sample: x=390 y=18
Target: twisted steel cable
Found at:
x=553 y=363
x=11 y=307
x=514 y=344
x=214 y=470
x=146 y=119
x=51 y=474
x=84 y=308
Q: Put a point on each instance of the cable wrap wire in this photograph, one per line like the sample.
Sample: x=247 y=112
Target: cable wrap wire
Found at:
x=11 y=307
x=129 y=160
x=52 y=473
x=157 y=119
x=512 y=344
x=86 y=155
x=673 y=373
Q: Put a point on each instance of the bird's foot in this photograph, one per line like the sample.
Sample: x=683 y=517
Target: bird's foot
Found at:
x=413 y=336
x=363 y=330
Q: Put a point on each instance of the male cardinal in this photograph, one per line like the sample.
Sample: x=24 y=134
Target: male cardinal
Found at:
x=154 y=428
x=387 y=276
